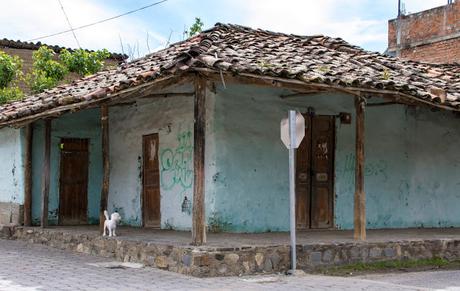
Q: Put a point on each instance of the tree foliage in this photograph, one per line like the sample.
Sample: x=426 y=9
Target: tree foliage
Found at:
x=84 y=62
x=10 y=68
x=9 y=94
x=197 y=27
x=48 y=70
x=10 y=73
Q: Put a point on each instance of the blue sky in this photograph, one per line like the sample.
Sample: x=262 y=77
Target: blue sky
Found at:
x=361 y=22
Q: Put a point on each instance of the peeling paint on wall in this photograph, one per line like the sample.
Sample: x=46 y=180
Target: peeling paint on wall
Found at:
x=11 y=177
x=172 y=119
x=411 y=166
x=82 y=124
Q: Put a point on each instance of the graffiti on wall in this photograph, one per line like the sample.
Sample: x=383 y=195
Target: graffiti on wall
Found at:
x=176 y=164
x=377 y=168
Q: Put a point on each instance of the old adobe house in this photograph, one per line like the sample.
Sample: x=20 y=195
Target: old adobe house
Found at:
x=24 y=50
x=432 y=35
x=188 y=138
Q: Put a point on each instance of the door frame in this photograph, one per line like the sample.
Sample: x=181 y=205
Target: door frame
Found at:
x=143 y=176
x=61 y=169
x=311 y=115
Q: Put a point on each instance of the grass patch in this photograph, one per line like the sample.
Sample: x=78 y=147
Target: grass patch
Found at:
x=390 y=266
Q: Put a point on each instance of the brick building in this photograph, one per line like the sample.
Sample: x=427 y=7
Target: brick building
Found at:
x=25 y=50
x=432 y=35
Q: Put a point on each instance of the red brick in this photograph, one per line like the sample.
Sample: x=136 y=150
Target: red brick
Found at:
x=432 y=35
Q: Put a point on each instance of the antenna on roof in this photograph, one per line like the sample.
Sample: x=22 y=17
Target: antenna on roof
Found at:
x=402 y=8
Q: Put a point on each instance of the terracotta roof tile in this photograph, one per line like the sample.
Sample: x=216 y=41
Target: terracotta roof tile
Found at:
x=238 y=49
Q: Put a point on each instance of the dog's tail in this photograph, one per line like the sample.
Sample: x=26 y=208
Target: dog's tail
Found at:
x=106 y=214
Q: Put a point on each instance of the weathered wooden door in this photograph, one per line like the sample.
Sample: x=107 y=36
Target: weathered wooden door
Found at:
x=73 y=193
x=315 y=173
x=151 y=181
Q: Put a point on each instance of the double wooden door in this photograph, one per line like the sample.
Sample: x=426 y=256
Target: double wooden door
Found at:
x=151 y=182
x=315 y=173
x=73 y=192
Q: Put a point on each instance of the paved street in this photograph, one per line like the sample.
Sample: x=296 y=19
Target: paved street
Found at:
x=35 y=267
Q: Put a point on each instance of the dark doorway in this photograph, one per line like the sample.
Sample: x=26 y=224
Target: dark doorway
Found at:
x=315 y=173
x=151 y=181
x=73 y=193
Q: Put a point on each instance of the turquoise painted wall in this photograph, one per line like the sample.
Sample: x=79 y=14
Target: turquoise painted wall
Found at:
x=411 y=162
x=11 y=175
x=83 y=124
x=12 y=166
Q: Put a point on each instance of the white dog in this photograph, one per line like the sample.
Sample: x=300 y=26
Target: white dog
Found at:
x=111 y=224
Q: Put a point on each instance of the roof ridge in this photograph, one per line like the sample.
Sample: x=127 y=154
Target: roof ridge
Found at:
x=208 y=38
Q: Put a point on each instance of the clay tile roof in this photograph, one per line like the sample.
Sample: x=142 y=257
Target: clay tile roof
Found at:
x=17 y=44
x=241 y=50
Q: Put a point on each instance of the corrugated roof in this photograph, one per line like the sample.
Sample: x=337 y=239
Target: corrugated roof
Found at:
x=241 y=50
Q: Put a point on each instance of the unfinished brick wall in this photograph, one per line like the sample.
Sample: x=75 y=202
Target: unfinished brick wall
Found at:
x=431 y=36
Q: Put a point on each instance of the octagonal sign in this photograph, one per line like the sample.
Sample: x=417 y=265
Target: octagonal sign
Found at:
x=299 y=131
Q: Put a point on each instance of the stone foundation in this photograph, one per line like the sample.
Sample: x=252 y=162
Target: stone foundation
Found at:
x=214 y=261
x=11 y=213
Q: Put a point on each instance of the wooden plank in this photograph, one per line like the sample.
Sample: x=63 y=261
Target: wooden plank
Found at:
x=151 y=198
x=156 y=84
x=294 y=84
x=28 y=175
x=46 y=175
x=73 y=191
x=198 y=217
x=383 y=104
x=303 y=178
x=322 y=165
x=105 y=164
x=360 y=196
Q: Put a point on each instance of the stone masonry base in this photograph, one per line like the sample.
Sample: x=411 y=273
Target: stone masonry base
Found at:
x=215 y=261
x=11 y=213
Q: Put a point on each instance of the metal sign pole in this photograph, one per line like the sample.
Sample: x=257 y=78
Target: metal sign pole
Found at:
x=292 y=133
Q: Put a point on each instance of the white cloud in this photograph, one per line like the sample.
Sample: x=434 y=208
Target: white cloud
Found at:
x=30 y=19
x=329 y=17
x=360 y=22
x=413 y=6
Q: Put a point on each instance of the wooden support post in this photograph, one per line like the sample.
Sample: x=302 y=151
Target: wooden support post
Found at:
x=105 y=164
x=46 y=174
x=360 y=196
x=28 y=175
x=198 y=218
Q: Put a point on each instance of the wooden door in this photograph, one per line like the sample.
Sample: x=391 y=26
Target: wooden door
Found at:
x=315 y=173
x=303 y=178
x=151 y=182
x=73 y=193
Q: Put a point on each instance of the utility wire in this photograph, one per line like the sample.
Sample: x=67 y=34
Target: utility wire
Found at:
x=98 y=22
x=70 y=25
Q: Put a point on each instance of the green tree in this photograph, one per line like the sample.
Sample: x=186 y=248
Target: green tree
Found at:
x=10 y=73
x=46 y=71
x=196 y=28
x=84 y=62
